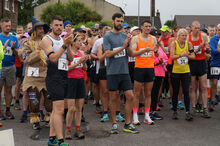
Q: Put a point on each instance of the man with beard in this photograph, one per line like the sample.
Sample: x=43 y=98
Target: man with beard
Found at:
x=115 y=44
x=57 y=50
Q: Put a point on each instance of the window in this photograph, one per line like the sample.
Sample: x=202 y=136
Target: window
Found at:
x=13 y=5
x=6 y=4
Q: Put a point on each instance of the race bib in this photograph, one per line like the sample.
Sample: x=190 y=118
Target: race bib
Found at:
x=182 y=60
x=196 y=48
x=105 y=62
x=62 y=64
x=120 y=54
x=146 y=54
x=215 y=70
x=33 y=72
x=75 y=60
x=8 y=51
x=167 y=50
x=131 y=59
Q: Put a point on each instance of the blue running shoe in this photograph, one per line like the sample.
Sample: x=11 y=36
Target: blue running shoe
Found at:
x=104 y=118
x=114 y=129
x=214 y=102
x=120 y=118
x=180 y=105
x=54 y=143
x=130 y=128
x=156 y=116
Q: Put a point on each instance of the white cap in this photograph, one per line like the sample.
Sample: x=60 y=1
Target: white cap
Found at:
x=134 y=28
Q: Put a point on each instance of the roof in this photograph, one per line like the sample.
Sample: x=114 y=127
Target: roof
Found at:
x=115 y=6
x=133 y=20
x=205 y=20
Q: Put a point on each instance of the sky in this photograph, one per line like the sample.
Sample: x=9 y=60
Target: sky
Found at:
x=169 y=8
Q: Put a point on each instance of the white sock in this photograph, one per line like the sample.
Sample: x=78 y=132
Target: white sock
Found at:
x=135 y=118
x=147 y=115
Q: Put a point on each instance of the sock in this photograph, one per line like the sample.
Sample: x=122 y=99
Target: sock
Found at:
x=77 y=127
x=60 y=141
x=41 y=112
x=135 y=115
x=68 y=127
x=7 y=109
x=17 y=101
x=147 y=111
x=52 y=138
x=25 y=112
x=117 y=112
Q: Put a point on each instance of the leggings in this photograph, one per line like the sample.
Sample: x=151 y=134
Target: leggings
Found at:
x=155 y=92
x=185 y=80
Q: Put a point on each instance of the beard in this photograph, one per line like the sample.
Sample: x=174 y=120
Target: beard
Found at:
x=118 y=28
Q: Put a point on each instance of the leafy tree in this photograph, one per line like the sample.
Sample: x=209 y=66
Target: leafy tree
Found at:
x=170 y=23
x=74 y=11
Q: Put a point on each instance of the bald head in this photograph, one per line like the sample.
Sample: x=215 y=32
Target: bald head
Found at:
x=195 y=27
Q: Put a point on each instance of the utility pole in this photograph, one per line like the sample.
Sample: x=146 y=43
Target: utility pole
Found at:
x=138 y=13
x=152 y=12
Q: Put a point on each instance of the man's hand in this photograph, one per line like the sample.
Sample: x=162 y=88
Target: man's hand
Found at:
x=6 y=44
x=67 y=39
x=127 y=42
x=12 y=44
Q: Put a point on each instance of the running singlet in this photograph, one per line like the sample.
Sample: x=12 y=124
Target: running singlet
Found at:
x=166 y=44
x=181 y=64
x=201 y=54
x=144 y=60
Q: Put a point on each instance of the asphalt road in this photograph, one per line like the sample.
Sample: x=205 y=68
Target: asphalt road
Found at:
x=167 y=132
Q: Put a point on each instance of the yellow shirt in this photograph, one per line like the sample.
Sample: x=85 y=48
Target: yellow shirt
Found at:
x=181 y=65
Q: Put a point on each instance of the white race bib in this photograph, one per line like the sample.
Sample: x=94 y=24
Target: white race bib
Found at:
x=182 y=60
x=131 y=59
x=146 y=54
x=120 y=54
x=8 y=51
x=196 y=48
x=62 y=64
x=215 y=70
x=75 y=60
x=33 y=72
x=167 y=50
x=105 y=62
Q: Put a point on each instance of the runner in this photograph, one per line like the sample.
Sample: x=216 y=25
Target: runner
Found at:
x=181 y=52
x=115 y=44
x=35 y=74
x=57 y=51
x=198 y=67
x=1 y=58
x=142 y=47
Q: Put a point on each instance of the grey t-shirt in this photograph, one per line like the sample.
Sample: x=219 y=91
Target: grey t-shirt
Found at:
x=117 y=64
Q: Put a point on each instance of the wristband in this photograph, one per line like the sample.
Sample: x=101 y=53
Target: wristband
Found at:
x=64 y=47
x=48 y=55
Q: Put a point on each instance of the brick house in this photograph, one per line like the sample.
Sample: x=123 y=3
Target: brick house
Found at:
x=9 y=8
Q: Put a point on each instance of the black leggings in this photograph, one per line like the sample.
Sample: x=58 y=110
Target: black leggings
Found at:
x=155 y=92
x=185 y=80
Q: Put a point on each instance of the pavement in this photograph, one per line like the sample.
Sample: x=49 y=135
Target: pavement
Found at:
x=167 y=132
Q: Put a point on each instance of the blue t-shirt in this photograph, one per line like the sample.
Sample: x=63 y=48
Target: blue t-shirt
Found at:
x=9 y=57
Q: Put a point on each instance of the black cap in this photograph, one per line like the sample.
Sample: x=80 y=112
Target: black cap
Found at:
x=204 y=30
x=155 y=32
x=102 y=25
x=79 y=29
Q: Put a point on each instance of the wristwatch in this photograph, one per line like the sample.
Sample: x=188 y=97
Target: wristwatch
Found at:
x=64 y=47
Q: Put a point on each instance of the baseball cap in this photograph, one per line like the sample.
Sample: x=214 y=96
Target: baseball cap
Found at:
x=134 y=28
x=102 y=25
x=165 y=28
x=155 y=32
x=78 y=29
x=125 y=25
x=94 y=27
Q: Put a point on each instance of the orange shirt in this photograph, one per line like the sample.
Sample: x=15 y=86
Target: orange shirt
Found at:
x=201 y=54
x=144 y=60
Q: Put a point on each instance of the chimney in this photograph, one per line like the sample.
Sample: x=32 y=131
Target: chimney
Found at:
x=158 y=13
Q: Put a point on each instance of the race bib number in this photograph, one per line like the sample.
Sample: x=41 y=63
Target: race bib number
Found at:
x=167 y=50
x=105 y=62
x=196 y=48
x=120 y=54
x=215 y=70
x=146 y=54
x=182 y=60
x=131 y=59
x=8 y=51
x=62 y=64
x=33 y=72
x=75 y=60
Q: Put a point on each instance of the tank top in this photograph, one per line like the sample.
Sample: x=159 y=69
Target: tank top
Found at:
x=166 y=44
x=77 y=72
x=181 y=65
x=144 y=60
x=201 y=54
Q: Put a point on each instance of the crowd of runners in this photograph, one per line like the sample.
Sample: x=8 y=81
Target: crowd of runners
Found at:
x=56 y=69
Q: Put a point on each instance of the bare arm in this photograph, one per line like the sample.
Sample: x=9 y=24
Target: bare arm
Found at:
x=192 y=55
x=69 y=54
x=133 y=46
x=100 y=54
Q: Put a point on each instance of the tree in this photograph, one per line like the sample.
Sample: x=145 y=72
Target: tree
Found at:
x=170 y=23
x=25 y=8
x=74 y=11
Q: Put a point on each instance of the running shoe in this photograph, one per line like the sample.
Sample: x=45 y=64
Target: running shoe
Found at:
x=54 y=143
x=194 y=112
x=211 y=108
x=104 y=118
x=63 y=144
x=214 y=102
x=167 y=96
x=98 y=110
x=9 y=115
x=175 y=116
x=114 y=129
x=2 y=117
x=23 y=118
x=171 y=106
x=47 y=124
x=68 y=134
x=201 y=109
x=47 y=117
x=141 y=111
x=42 y=116
x=130 y=129
x=197 y=108
x=119 y=118
x=217 y=98
x=4 y=103
x=205 y=113
x=156 y=116
x=163 y=95
x=189 y=116
x=158 y=108
x=17 y=106
x=148 y=121
x=78 y=134
x=180 y=105
x=36 y=126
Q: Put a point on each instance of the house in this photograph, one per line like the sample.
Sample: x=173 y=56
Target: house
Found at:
x=205 y=20
x=104 y=8
x=9 y=8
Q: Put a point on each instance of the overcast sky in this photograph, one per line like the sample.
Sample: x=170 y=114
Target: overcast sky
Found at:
x=169 y=8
